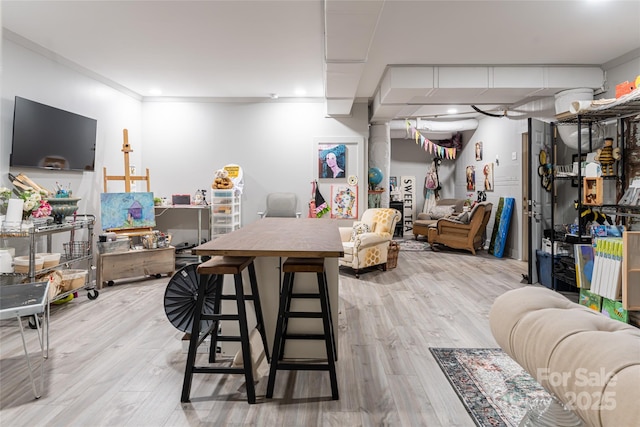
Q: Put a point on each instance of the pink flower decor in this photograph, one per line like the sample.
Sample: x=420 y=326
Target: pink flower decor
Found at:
x=43 y=210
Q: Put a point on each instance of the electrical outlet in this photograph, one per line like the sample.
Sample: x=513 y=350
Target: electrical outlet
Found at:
x=514 y=156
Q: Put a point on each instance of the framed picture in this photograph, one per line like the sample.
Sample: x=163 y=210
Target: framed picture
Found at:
x=344 y=202
x=478 y=150
x=332 y=161
x=120 y=211
x=393 y=182
x=487 y=170
x=471 y=178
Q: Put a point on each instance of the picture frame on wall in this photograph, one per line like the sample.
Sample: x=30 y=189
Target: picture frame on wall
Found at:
x=471 y=178
x=344 y=201
x=478 y=150
x=332 y=161
x=487 y=170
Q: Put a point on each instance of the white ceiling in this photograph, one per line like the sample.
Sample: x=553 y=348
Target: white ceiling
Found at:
x=342 y=51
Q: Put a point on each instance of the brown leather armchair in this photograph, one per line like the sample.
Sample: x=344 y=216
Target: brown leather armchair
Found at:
x=461 y=234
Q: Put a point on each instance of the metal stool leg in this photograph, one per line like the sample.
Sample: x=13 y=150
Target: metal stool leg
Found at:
x=278 y=345
x=258 y=309
x=324 y=299
x=244 y=339
x=195 y=334
x=328 y=308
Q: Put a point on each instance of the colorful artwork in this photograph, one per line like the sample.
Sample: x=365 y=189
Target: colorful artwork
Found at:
x=332 y=161
x=126 y=210
x=471 y=178
x=487 y=170
x=344 y=202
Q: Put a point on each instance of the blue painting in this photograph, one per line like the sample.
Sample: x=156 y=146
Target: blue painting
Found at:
x=120 y=211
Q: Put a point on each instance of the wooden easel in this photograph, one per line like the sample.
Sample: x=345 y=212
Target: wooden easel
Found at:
x=127 y=177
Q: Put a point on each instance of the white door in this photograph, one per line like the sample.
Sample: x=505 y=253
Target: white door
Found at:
x=539 y=199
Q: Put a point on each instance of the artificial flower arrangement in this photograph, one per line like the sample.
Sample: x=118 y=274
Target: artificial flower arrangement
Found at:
x=34 y=204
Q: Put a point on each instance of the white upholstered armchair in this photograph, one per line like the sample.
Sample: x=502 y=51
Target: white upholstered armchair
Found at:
x=367 y=243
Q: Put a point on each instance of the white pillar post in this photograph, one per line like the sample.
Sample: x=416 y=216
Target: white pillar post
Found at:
x=380 y=156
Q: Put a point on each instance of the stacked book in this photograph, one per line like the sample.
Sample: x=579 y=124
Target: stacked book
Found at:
x=606 y=279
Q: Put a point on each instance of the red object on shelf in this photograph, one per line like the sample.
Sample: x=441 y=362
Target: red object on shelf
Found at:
x=624 y=88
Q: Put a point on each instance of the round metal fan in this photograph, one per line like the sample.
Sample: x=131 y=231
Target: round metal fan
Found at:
x=181 y=296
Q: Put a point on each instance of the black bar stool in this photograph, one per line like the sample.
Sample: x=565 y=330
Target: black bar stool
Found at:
x=290 y=267
x=220 y=266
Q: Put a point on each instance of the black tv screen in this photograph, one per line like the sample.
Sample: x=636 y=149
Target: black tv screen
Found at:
x=50 y=138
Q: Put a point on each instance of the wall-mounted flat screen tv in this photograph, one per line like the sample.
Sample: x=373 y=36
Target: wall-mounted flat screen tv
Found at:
x=51 y=138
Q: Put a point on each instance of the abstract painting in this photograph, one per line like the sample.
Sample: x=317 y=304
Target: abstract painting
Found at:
x=344 y=201
x=120 y=211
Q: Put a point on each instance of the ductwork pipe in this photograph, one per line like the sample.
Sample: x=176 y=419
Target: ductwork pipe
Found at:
x=569 y=133
x=431 y=129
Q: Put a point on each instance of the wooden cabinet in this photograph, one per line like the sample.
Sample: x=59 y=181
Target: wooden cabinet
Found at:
x=631 y=270
x=135 y=263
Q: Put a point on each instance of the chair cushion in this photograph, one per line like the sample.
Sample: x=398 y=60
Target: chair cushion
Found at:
x=441 y=211
x=358 y=229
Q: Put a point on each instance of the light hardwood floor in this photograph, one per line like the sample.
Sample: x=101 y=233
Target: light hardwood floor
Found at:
x=117 y=361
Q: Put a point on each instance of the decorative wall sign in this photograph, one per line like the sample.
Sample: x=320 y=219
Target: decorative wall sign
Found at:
x=344 y=202
x=332 y=161
x=408 y=189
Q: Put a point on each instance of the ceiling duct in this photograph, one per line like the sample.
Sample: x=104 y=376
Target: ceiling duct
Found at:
x=569 y=133
x=431 y=129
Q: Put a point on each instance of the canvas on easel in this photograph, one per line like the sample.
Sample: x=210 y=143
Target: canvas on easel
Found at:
x=127 y=211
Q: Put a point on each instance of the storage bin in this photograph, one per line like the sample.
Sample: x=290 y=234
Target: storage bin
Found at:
x=118 y=245
x=73 y=279
x=50 y=259
x=21 y=264
x=543 y=268
x=392 y=255
x=76 y=249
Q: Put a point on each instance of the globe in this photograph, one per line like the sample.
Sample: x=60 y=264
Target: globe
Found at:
x=375 y=176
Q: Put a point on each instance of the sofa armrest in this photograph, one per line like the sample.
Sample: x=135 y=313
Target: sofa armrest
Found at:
x=365 y=240
x=345 y=233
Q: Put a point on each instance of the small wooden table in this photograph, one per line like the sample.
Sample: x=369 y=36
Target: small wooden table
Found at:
x=271 y=239
x=135 y=263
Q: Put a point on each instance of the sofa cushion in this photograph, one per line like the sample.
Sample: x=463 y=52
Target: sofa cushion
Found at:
x=441 y=211
x=358 y=229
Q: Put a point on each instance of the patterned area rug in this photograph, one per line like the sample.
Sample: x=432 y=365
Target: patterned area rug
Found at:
x=495 y=390
x=412 y=245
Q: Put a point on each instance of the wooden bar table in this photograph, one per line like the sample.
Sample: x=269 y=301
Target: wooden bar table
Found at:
x=271 y=241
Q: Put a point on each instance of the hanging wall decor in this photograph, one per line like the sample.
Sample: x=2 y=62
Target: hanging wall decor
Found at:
x=488 y=176
x=332 y=161
x=478 y=150
x=471 y=178
x=344 y=201
x=438 y=150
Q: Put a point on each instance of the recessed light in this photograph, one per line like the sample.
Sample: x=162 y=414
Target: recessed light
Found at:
x=452 y=110
x=300 y=92
x=273 y=96
x=155 y=92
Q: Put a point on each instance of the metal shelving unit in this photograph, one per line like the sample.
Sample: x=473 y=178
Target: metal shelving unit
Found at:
x=69 y=258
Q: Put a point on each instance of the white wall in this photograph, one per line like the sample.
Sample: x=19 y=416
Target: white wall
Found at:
x=31 y=75
x=501 y=138
x=409 y=159
x=182 y=143
x=274 y=142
